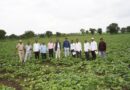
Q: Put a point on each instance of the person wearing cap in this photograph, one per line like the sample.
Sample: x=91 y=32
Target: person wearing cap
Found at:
x=20 y=47
x=102 y=48
x=72 y=48
x=78 y=48
x=28 y=51
x=86 y=49
x=43 y=51
x=93 y=48
x=36 y=49
x=51 y=49
x=57 y=49
x=66 y=46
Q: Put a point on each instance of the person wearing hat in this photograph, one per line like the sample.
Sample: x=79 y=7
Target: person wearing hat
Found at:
x=20 y=47
x=28 y=51
x=102 y=48
x=93 y=48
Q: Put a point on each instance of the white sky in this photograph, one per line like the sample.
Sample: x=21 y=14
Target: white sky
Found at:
x=18 y=16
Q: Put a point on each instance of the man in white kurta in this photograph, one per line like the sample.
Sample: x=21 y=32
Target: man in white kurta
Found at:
x=36 y=49
x=86 y=49
x=78 y=48
x=93 y=47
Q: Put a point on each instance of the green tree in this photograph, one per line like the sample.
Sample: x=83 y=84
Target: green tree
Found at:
x=113 y=28
x=99 y=31
x=82 y=31
x=58 y=34
x=128 y=28
x=49 y=33
x=2 y=34
x=92 y=30
x=123 y=30
x=28 y=34
x=12 y=36
x=87 y=32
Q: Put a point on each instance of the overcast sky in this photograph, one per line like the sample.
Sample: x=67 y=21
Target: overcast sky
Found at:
x=17 y=16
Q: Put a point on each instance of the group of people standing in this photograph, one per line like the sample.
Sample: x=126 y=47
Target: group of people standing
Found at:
x=72 y=48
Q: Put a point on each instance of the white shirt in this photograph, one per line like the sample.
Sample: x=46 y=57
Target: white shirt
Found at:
x=78 y=46
x=72 y=46
x=93 y=45
x=28 y=48
x=36 y=47
x=58 y=46
x=86 y=46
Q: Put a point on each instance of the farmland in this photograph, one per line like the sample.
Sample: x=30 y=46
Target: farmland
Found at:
x=111 y=73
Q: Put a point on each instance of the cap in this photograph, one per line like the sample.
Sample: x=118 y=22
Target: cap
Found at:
x=92 y=38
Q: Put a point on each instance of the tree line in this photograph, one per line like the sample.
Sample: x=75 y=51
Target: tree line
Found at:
x=113 y=28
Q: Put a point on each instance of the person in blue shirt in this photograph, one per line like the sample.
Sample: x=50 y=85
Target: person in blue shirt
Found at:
x=66 y=46
x=43 y=51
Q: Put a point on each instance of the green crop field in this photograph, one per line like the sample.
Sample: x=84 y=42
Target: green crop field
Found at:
x=111 y=73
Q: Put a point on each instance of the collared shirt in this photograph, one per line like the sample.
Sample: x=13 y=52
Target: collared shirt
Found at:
x=72 y=46
x=102 y=46
x=20 y=47
x=28 y=48
x=50 y=45
x=66 y=44
x=36 y=47
x=78 y=46
x=93 y=45
x=86 y=46
x=43 y=49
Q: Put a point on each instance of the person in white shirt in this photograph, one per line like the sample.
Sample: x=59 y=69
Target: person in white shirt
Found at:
x=93 y=47
x=28 y=51
x=72 y=48
x=86 y=49
x=36 y=49
x=78 y=48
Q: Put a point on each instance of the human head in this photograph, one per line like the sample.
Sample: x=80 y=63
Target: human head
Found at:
x=77 y=40
x=28 y=42
x=92 y=39
x=36 y=41
x=101 y=39
x=20 y=41
x=43 y=43
x=66 y=38
x=85 y=41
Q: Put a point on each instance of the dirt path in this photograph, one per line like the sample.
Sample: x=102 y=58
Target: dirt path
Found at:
x=12 y=84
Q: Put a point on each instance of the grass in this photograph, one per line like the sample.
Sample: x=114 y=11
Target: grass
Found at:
x=112 y=73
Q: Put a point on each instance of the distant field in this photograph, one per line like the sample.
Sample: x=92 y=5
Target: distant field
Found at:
x=112 y=73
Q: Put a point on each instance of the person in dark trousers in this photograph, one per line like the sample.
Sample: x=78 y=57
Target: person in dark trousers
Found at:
x=66 y=46
x=51 y=49
x=36 y=49
x=78 y=48
x=102 y=48
x=86 y=49
x=72 y=48
x=43 y=51
x=93 y=47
